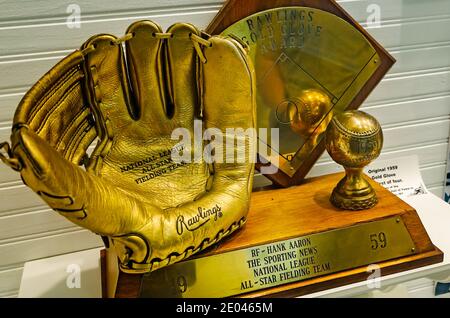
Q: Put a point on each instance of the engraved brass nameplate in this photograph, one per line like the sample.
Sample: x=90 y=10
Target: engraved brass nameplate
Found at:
x=282 y=262
x=310 y=64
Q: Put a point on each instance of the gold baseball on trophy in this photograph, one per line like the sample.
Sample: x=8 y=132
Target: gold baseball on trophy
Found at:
x=313 y=105
x=354 y=139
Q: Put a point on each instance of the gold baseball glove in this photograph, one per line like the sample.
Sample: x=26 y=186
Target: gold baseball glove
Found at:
x=154 y=210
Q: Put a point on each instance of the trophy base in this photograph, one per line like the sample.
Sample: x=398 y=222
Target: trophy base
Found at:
x=353 y=203
x=295 y=242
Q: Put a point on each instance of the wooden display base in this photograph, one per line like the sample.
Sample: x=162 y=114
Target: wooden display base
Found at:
x=282 y=214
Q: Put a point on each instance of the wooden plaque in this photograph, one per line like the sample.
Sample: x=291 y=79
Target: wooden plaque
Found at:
x=299 y=47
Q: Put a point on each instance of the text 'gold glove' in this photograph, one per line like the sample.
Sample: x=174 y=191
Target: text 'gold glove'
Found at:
x=129 y=95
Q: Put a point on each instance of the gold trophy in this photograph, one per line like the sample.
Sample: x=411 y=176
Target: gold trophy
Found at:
x=354 y=139
x=295 y=240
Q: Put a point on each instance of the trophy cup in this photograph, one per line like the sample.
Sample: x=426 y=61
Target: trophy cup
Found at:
x=354 y=139
x=313 y=62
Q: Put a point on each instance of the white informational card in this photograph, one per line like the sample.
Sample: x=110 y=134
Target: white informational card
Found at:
x=401 y=176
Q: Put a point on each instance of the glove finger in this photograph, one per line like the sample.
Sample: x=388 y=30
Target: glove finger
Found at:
x=182 y=72
x=145 y=70
x=107 y=84
x=82 y=198
x=229 y=102
x=228 y=86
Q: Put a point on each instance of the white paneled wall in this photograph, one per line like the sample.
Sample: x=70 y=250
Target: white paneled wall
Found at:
x=412 y=102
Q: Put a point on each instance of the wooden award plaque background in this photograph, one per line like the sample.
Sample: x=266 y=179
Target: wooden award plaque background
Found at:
x=236 y=10
x=277 y=215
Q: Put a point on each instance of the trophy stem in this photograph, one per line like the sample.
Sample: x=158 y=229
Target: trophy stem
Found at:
x=353 y=192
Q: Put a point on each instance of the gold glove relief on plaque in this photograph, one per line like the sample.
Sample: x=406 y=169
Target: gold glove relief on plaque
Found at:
x=154 y=210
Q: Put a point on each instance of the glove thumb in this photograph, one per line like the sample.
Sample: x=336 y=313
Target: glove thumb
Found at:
x=40 y=164
x=68 y=189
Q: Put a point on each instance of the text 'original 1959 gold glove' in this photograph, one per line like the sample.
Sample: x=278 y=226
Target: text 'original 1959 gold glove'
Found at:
x=128 y=95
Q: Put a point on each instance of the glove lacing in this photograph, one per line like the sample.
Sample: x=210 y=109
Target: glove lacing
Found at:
x=196 y=40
